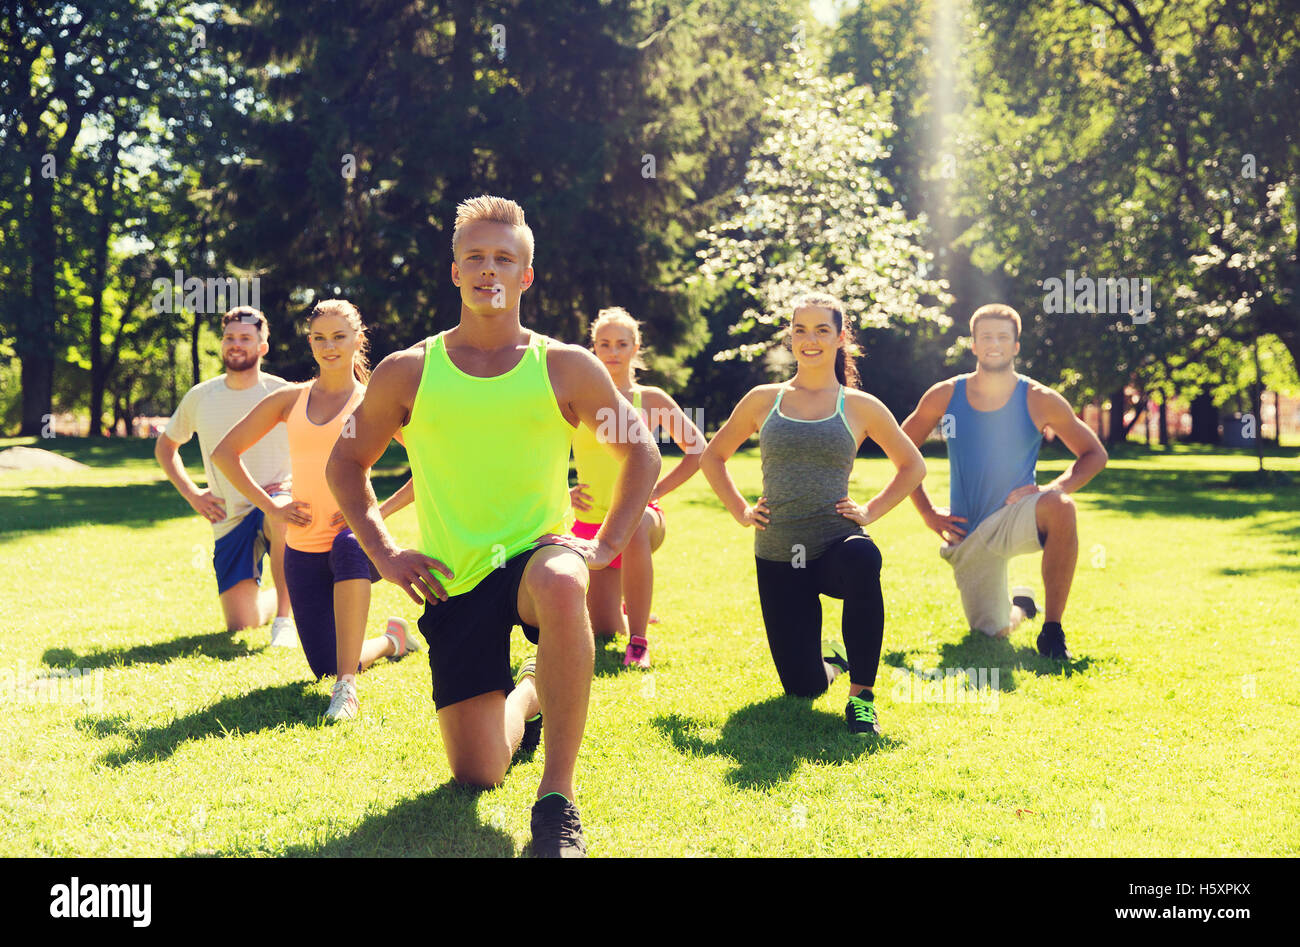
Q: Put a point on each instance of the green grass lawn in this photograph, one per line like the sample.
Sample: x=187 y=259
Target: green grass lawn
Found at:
x=1173 y=733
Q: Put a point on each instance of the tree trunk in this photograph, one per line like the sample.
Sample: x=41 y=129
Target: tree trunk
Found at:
x=1164 y=420
x=1205 y=420
x=99 y=280
x=35 y=340
x=1115 y=430
x=198 y=318
x=1257 y=407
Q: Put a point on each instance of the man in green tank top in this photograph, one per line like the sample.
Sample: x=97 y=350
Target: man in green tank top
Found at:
x=487 y=409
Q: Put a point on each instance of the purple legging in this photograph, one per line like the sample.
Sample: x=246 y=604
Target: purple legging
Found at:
x=311 y=577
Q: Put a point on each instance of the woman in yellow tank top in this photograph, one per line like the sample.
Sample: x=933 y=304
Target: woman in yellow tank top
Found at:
x=328 y=574
x=616 y=340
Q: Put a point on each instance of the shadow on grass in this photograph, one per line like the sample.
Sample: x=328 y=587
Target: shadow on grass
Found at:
x=1204 y=494
x=221 y=645
x=265 y=709
x=769 y=740
x=976 y=652
x=439 y=824
x=63 y=505
x=58 y=506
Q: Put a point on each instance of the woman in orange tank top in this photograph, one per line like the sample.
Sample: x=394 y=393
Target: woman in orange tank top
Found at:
x=328 y=574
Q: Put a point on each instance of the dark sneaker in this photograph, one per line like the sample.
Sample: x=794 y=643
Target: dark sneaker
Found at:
x=1051 y=643
x=860 y=715
x=1024 y=597
x=532 y=726
x=833 y=654
x=557 y=830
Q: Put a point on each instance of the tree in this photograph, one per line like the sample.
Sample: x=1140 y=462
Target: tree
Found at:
x=815 y=212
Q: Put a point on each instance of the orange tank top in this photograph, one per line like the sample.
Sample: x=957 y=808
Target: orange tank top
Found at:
x=309 y=450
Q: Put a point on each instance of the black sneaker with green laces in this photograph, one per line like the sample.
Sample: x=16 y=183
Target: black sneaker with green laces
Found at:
x=860 y=715
x=833 y=654
x=557 y=829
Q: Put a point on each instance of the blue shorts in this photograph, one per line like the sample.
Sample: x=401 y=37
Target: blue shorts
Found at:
x=237 y=555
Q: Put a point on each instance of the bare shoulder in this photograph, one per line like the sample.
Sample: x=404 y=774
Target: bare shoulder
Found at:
x=862 y=399
x=397 y=377
x=942 y=389
x=655 y=397
x=1043 y=395
x=566 y=361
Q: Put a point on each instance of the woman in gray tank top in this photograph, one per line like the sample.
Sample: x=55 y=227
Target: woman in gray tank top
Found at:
x=809 y=538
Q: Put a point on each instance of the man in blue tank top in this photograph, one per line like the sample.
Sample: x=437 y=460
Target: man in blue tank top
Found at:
x=992 y=420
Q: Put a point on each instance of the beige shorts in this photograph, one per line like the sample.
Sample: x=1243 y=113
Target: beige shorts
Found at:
x=979 y=562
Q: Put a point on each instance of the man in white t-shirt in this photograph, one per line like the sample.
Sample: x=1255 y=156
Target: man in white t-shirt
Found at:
x=242 y=538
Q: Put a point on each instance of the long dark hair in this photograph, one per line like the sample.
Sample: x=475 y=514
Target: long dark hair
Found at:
x=846 y=369
x=352 y=316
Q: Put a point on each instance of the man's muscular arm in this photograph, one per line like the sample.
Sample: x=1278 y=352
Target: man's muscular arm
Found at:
x=929 y=412
x=1047 y=407
x=385 y=408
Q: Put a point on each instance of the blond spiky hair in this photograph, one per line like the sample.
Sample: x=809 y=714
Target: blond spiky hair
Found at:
x=499 y=210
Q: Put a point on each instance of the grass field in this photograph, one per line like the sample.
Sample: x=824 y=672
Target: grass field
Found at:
x=1174 y=732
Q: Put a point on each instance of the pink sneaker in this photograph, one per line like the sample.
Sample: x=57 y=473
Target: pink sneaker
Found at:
x=399 y=633
x=638 y=653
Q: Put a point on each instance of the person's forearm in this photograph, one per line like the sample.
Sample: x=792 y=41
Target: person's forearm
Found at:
x=232 y=465
x=349 y=483
x=631 y=494
x=684 y=470
x=906 y=481
x=171 y=465
x=1077 y=475
x=403 y=497
x=921 y=500
x=714 y=469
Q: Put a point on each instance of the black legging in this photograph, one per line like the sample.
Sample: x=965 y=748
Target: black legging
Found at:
x=792 y=612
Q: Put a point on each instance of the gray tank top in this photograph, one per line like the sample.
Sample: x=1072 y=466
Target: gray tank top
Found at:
x=806 y=467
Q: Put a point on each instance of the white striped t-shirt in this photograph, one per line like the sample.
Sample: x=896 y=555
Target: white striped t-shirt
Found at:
x=210 y=409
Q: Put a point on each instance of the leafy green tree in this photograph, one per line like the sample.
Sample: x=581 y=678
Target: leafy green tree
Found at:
x=814 y=212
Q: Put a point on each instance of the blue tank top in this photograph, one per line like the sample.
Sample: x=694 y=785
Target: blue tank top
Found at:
x=990 y=453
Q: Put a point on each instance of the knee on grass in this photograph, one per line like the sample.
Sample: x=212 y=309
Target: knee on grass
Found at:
x=477 y=772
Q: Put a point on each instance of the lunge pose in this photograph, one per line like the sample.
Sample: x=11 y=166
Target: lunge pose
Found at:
x=616 y=340
x=809 y=539
x=242 y=536
x=993 y=420
x=488 y=409
x=329 y=575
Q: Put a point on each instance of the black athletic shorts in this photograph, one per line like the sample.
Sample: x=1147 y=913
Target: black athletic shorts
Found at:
x=469 y=634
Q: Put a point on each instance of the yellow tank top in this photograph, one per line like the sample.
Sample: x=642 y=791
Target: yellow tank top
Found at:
x=490 y=458
x=598 y=466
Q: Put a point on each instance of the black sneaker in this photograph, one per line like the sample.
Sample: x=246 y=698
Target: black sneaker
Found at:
x=532 y=726
x=833 y=654
x=557 y=830
x=1024 y=597
x=860 y=715
x=1051 y=642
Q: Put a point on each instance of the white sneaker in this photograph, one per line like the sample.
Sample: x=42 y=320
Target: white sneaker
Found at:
x=283 y=633
x=343 y=702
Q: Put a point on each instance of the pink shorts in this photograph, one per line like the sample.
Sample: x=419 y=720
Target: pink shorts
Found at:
x=588 y=531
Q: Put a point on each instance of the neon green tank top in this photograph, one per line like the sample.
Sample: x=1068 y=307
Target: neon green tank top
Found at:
x=490 y=458
x=597 y=465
